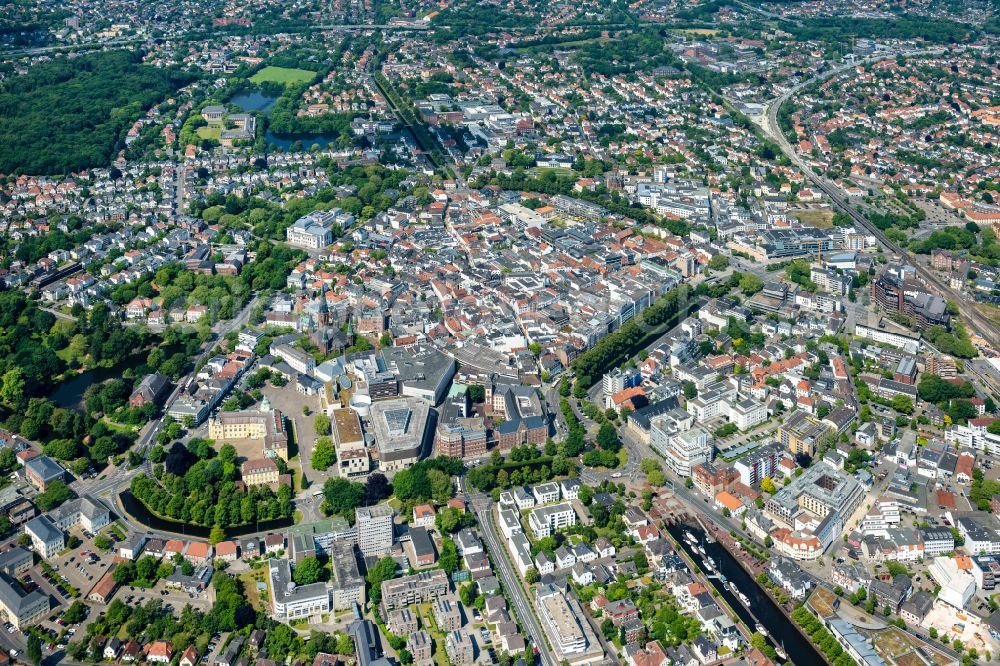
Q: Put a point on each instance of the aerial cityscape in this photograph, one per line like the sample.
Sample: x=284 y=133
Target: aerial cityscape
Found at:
x=494 y=332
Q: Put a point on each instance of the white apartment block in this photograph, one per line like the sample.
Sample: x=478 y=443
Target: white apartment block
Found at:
x=747 y=414
x=682 y=451
x=561 y=625
x=545 y=520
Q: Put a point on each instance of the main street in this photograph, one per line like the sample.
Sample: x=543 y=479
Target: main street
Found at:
x=482 y=507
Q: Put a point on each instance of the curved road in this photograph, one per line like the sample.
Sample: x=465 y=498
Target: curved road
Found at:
x=972 y=316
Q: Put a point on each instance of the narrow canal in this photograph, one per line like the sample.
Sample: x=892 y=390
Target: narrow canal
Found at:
x=760 y=609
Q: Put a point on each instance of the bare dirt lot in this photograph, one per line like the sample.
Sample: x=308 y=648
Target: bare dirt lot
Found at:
x=821 y=218
x=963 y=626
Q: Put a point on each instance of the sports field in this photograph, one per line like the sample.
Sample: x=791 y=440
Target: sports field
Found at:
x=282 y=75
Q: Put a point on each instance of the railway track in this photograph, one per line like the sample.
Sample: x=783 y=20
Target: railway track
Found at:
x=976 y=320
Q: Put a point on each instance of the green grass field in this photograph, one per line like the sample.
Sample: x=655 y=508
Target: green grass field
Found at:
x=282 y=75
x=212 y=132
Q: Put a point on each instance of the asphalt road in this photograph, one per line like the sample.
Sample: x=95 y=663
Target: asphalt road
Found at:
x=482 y=506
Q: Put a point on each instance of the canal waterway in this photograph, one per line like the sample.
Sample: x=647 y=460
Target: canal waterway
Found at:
x=761 y=608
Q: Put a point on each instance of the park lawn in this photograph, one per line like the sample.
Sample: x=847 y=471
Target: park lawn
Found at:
x=212 y=132
x=123 y=428
x=558 y=171
x=284 y=75
x=821 y=218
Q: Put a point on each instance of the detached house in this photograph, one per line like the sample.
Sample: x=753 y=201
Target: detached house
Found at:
x=160 y=652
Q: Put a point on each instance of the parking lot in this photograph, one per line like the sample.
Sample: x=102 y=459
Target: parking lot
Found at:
x=938 y=214
x=83 y=566
x=173 y=598
x=290 y=402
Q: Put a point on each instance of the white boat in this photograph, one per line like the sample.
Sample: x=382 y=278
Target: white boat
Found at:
x=761 y=630
x=744 y=599
x=709 y=565
x=709 y=560
x=701 y=549
x=780 y=651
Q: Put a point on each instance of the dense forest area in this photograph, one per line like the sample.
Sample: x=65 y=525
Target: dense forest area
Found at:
x=72 y=114
x=837 y=29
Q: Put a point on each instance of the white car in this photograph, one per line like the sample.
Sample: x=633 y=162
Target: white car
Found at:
x=616 y=475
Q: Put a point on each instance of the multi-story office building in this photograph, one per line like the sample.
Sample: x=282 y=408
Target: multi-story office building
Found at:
x=883 y=336
x=897 y=290
x=401 y=432
x=299 y=360
x=375 y=529
x=16 y=561
x=18 y=607
x=820 y=490
x=290 y=601
x=981 y=531
x=315 y=230
x=40 y=471
x=461 y=433
x=561 y=625
x=348 y=586
x=800 y=434
x=746 y=414
x=46 y=538
x=84 y=511
x=349 y=441
x=986 y=571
